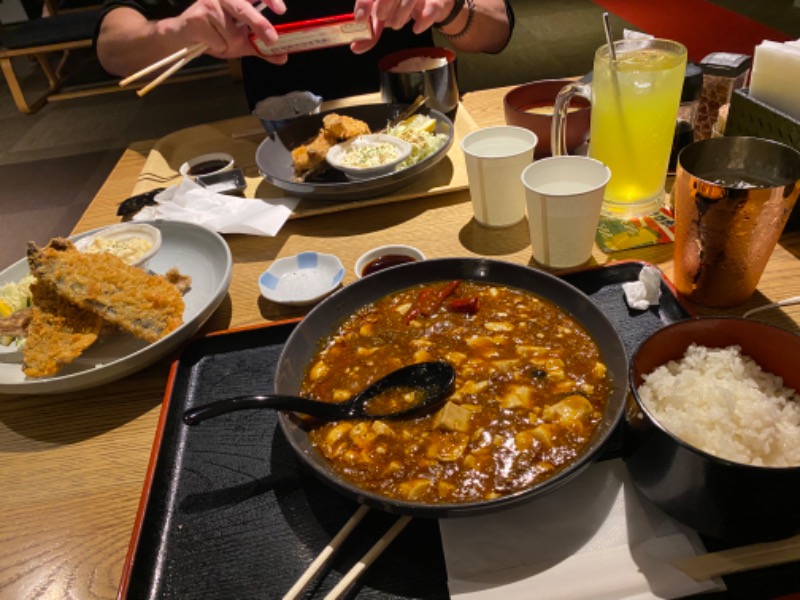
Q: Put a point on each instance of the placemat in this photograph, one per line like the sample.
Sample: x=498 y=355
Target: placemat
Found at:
x=241 y=137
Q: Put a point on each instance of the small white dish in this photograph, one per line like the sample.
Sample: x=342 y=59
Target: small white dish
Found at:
x=384 y=257
x=207 y=164
x=302 y=279
x=365 y=147
x=135 y=243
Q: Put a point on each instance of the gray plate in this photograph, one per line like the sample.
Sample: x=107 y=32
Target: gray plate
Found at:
x=195 y=251
x=274 y=156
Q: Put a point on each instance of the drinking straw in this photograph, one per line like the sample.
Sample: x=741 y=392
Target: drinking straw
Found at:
x=611 y=51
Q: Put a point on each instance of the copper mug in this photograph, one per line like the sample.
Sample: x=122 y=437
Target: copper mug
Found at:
x=732 y=197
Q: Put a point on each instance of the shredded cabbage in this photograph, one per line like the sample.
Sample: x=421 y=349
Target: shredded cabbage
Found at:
x=14 y=296
x=423 y=143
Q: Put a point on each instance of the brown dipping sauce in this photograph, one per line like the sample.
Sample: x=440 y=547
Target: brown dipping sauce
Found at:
x=208 y=166
x=384 y=262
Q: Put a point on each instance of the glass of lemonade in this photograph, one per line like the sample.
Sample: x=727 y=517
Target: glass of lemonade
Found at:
x=635 y=101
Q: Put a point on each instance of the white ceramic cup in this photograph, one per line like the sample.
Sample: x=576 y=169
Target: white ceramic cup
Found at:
x=564 y=197
x=495 y=158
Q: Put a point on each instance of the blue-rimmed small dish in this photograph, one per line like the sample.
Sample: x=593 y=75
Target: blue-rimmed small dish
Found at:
x=303 y=279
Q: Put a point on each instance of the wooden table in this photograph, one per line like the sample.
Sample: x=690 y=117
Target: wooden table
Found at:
x=73 y=465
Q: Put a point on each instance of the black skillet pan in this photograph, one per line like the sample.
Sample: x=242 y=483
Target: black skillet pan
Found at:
x=274 y=155
x=324 y=318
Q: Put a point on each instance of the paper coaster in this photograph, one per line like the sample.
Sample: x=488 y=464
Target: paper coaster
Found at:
x=615 y=234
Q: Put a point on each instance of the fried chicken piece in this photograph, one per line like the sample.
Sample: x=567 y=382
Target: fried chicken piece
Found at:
x=335 y=128
x=146 y=305
x=58 y=332
x=317 y=150
x=300 y=160
x=343 y=127
x=308 y=156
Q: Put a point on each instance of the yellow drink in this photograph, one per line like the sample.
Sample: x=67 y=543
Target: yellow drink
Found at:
x=634 y=112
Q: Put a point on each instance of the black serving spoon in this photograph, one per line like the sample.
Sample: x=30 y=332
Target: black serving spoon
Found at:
x=430 y=381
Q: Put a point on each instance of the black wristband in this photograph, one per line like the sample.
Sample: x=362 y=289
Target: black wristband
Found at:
x=457 y=6
x=470 y=17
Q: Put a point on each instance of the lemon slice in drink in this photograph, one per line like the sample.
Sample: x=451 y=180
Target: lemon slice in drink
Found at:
x=421 y=122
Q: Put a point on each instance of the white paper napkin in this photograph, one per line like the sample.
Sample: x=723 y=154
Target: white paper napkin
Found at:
x=594 y=537
x=189 y=201
x=645 y=291
x=776 y=67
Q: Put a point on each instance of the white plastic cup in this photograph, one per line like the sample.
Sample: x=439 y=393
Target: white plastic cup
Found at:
x=564 y=196
x=495 y=158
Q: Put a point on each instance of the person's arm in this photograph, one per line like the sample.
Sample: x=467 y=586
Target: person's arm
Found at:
x=128 y=41
x=472 y=25
x=479 y=25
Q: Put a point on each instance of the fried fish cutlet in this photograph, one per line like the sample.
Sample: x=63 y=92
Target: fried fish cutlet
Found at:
x=146 y=305
x=343 y=127
x=58 y=332
x=318 y=148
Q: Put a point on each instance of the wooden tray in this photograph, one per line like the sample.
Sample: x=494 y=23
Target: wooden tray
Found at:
x=228 y=512
x=241 y=138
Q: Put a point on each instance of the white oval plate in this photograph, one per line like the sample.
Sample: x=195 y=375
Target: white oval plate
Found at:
x=197 y=252
x=302 y=279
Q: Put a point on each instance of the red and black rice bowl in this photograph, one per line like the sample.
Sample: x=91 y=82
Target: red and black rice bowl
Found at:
x=712 y=427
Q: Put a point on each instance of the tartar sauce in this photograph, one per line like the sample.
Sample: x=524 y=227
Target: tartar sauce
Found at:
x=128 y=249
x=365 y=155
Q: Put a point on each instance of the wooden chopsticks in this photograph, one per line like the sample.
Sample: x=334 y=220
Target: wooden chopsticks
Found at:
x=352 y=575
x=744 y=558
x=368 y=559
x=178 y=60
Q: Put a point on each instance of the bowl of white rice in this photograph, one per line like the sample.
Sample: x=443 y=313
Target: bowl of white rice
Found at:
x=712 y=427
x=412 y=72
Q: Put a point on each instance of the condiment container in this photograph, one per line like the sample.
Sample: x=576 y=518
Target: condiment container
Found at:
x=687 y=112
x=207 y=164
x=384 y=257
x=134 y=243
x=723 y=72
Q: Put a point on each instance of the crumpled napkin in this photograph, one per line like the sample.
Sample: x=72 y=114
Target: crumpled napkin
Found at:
x=191 y=202
x=644 y=292
x=594 y=537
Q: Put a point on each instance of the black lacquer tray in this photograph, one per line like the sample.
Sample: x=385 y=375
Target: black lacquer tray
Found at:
x=228 y=511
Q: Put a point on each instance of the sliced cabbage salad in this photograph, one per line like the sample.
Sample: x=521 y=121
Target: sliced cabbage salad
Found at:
x=419 y=131
x=14 y=296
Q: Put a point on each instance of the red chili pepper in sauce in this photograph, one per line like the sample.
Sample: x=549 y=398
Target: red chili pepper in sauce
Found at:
x=429 y=299
x=467 y=306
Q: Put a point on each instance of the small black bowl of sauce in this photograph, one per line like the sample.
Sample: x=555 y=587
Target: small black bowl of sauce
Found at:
x=385 y=257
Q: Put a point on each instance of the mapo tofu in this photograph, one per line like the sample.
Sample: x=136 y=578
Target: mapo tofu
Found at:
x=530 y=390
